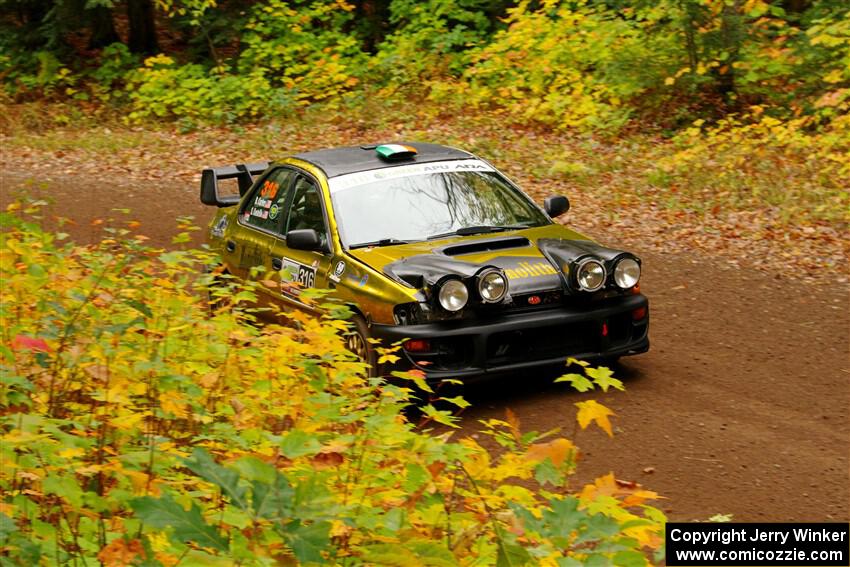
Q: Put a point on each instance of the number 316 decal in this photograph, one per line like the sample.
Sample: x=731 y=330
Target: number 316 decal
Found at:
x=297 y=273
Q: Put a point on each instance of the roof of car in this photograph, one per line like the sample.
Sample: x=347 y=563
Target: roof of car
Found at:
x=339 y=161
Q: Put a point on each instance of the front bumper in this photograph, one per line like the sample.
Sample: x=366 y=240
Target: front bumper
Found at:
x=510 y=342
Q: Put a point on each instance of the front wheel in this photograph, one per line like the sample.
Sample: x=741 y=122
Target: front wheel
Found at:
x=358 y=343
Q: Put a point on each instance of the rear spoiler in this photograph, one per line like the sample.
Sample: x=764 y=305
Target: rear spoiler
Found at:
x=244 y=174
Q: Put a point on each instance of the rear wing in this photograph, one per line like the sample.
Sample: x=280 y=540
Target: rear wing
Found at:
x=244 y=173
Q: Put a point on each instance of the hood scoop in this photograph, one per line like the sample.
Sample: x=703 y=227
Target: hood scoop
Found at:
x=487 y=245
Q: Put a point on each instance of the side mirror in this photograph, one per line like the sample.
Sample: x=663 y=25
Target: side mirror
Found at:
x=304 y=239
x=556 y=206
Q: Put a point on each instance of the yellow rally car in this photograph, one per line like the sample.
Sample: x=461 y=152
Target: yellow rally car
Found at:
x=433 y=246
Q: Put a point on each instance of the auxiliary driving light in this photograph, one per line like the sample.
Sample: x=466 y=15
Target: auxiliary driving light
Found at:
x=590 y=274
x=492 y=286
x=453 y=295
x=627 y=273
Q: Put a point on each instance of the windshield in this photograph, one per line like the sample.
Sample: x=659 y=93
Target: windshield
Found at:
x=416 y=204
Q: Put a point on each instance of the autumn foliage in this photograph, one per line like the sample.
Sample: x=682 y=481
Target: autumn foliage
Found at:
x=139 y=429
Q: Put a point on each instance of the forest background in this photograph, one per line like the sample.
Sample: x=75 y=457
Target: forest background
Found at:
x=140 y=430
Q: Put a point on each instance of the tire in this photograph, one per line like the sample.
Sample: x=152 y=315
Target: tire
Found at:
x=358 y=343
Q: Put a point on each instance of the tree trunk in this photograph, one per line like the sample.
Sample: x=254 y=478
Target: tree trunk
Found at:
x=102 y=28
x=142 y=27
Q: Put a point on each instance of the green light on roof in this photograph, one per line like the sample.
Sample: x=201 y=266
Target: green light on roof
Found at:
x=393 y=152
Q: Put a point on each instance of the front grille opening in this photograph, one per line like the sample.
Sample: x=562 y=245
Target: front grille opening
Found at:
x=546 y=342
x=453 y=353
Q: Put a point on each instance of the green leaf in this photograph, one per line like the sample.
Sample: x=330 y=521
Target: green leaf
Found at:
x=185 y=525
x=562 y=519
x=440 y=416
x=389 y=554
x=457 y=401
x=569 y=562
x=604 y=378
x=297 y=443
x=577 y=381
x=512 y=554
x=630 y=559
x=432 y=553
x=272 y=500
x=64 y=486
x=547 y=473
x=7 y=526
x=227 y=480
x=308 y=541
x=140 y=307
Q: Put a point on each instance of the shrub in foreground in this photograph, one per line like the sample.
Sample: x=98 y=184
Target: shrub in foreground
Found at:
x=137 y=429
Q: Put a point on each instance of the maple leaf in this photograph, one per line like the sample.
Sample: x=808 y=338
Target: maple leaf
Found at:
x=556 y=450
x=604 y=378
x=120 y=552
x=577 y=381
x=591 y=410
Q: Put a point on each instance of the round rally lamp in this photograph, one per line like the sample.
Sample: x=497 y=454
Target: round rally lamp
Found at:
x=590 y=274
x=492 y=286
x=453 y=295
x=627 y=273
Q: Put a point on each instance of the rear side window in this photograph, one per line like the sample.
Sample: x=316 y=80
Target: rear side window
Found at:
x=264 y=209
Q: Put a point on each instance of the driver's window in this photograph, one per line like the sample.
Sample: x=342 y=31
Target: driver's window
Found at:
x=264 y=208
x=306 y=209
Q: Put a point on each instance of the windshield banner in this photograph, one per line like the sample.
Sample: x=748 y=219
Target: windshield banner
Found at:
x=364 y=177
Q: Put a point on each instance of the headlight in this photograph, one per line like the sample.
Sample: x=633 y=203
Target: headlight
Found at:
x=590 y=275
x=492 y=286
x=627 y=273
x=453 y=295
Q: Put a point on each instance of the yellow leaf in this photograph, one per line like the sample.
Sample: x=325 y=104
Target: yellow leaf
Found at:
x=71 y=452
x=556 y=450
x=590 y=411
x=605 y=485
x=126 y=422
x=638 y=497
x=669 y=80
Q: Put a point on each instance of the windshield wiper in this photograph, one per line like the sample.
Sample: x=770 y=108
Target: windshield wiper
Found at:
x=381 y=242
x=469 y=230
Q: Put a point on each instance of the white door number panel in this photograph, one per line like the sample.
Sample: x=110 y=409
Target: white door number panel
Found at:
x=297 y=273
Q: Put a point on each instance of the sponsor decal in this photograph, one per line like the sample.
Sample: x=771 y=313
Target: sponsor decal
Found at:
x=350 y=180
x=274 y=211
x=269 y=189
x=297 y=273
x=259 y=213
x=261 y=202
x=359 y=281
x=530 y=270
x=219 y=227
x=339 y=269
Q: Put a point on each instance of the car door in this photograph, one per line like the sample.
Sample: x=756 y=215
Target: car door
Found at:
x=300 y=270
x=260 y=222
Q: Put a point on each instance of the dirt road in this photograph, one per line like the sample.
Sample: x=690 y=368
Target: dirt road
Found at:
x=740 y=407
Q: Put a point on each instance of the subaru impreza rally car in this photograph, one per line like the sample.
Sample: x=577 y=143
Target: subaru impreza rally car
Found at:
x=432 y=246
